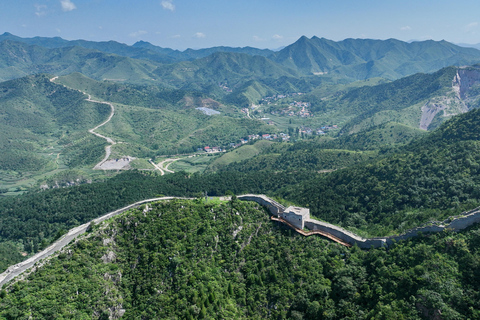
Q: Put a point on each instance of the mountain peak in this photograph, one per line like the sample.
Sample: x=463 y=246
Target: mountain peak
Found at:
x=141 y=43
x=303 y=39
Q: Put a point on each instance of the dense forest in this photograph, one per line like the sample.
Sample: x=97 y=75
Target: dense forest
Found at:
x=372 y=194
x=196 y=260
x=35 y=219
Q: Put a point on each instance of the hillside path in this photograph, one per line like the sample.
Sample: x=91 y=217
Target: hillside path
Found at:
x=163 y=165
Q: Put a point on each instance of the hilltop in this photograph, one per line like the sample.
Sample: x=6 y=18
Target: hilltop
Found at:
x=365 y=58
x=197 y=260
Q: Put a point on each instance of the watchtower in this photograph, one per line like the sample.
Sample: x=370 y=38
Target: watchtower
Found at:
x=296 y=216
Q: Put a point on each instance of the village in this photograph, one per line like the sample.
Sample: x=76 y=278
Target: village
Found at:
x=290 y=109
x=301 y=132
x=268 y=100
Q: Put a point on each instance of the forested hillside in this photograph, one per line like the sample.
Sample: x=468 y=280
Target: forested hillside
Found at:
x=377 y=157
x=195 y=260
x=366 y=58
x=369 y=193
x=36 y=114
x=428 y=180
x=31 y=221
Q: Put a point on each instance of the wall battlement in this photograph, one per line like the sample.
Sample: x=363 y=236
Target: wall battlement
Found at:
x=458 y=223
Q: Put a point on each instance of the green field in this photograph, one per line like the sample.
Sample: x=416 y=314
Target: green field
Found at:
x=197 y=163
x=242 y=153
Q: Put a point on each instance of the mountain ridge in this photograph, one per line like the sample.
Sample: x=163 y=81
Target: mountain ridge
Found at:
x=360 y=58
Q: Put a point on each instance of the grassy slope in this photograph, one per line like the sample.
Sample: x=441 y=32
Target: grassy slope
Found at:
x=43 y=126
x=154 y=121
x=301 y=156
x=240 y=154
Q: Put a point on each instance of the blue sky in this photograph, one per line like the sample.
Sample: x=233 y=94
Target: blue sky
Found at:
x=182 y=24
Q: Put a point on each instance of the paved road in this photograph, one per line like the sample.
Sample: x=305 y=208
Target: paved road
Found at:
x=19 y=268
x=164 y=165
x=156 y=167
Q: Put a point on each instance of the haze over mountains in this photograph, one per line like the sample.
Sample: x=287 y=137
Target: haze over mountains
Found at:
x=354 y=59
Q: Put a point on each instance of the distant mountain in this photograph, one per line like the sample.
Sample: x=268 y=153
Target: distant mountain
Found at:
x=18 y=59
x=222 y=71
x=356 y=59
x=192 y=54
x=104 y=46
x=140 y=50
x=469 y=45
x=232 y=69
x=365 y=58
x=421 y=101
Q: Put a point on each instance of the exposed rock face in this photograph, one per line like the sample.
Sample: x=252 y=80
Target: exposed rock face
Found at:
x=109 y=257
x=429 y=111
x=465 y=80
x=465 y=92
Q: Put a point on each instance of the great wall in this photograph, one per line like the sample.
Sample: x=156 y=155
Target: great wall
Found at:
x=299 y=218
x=295 y=217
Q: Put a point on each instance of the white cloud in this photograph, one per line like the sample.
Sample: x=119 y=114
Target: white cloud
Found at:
x=406 y=28
x=40 y=10
x=68 y=5
x=277 y=37
x=471 y=26
x=168 y=5
x=176 y=36
x=258 y=39
x=138 y=33
x=199 y=35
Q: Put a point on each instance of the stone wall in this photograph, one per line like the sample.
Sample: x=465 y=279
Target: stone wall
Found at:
x=274 y=207
x=296 y=216
x=461 y=222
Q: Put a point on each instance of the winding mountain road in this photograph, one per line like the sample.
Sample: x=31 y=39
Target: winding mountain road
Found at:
x=108 y=149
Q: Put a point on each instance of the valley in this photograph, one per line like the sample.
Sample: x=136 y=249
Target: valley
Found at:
x=124 y=170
